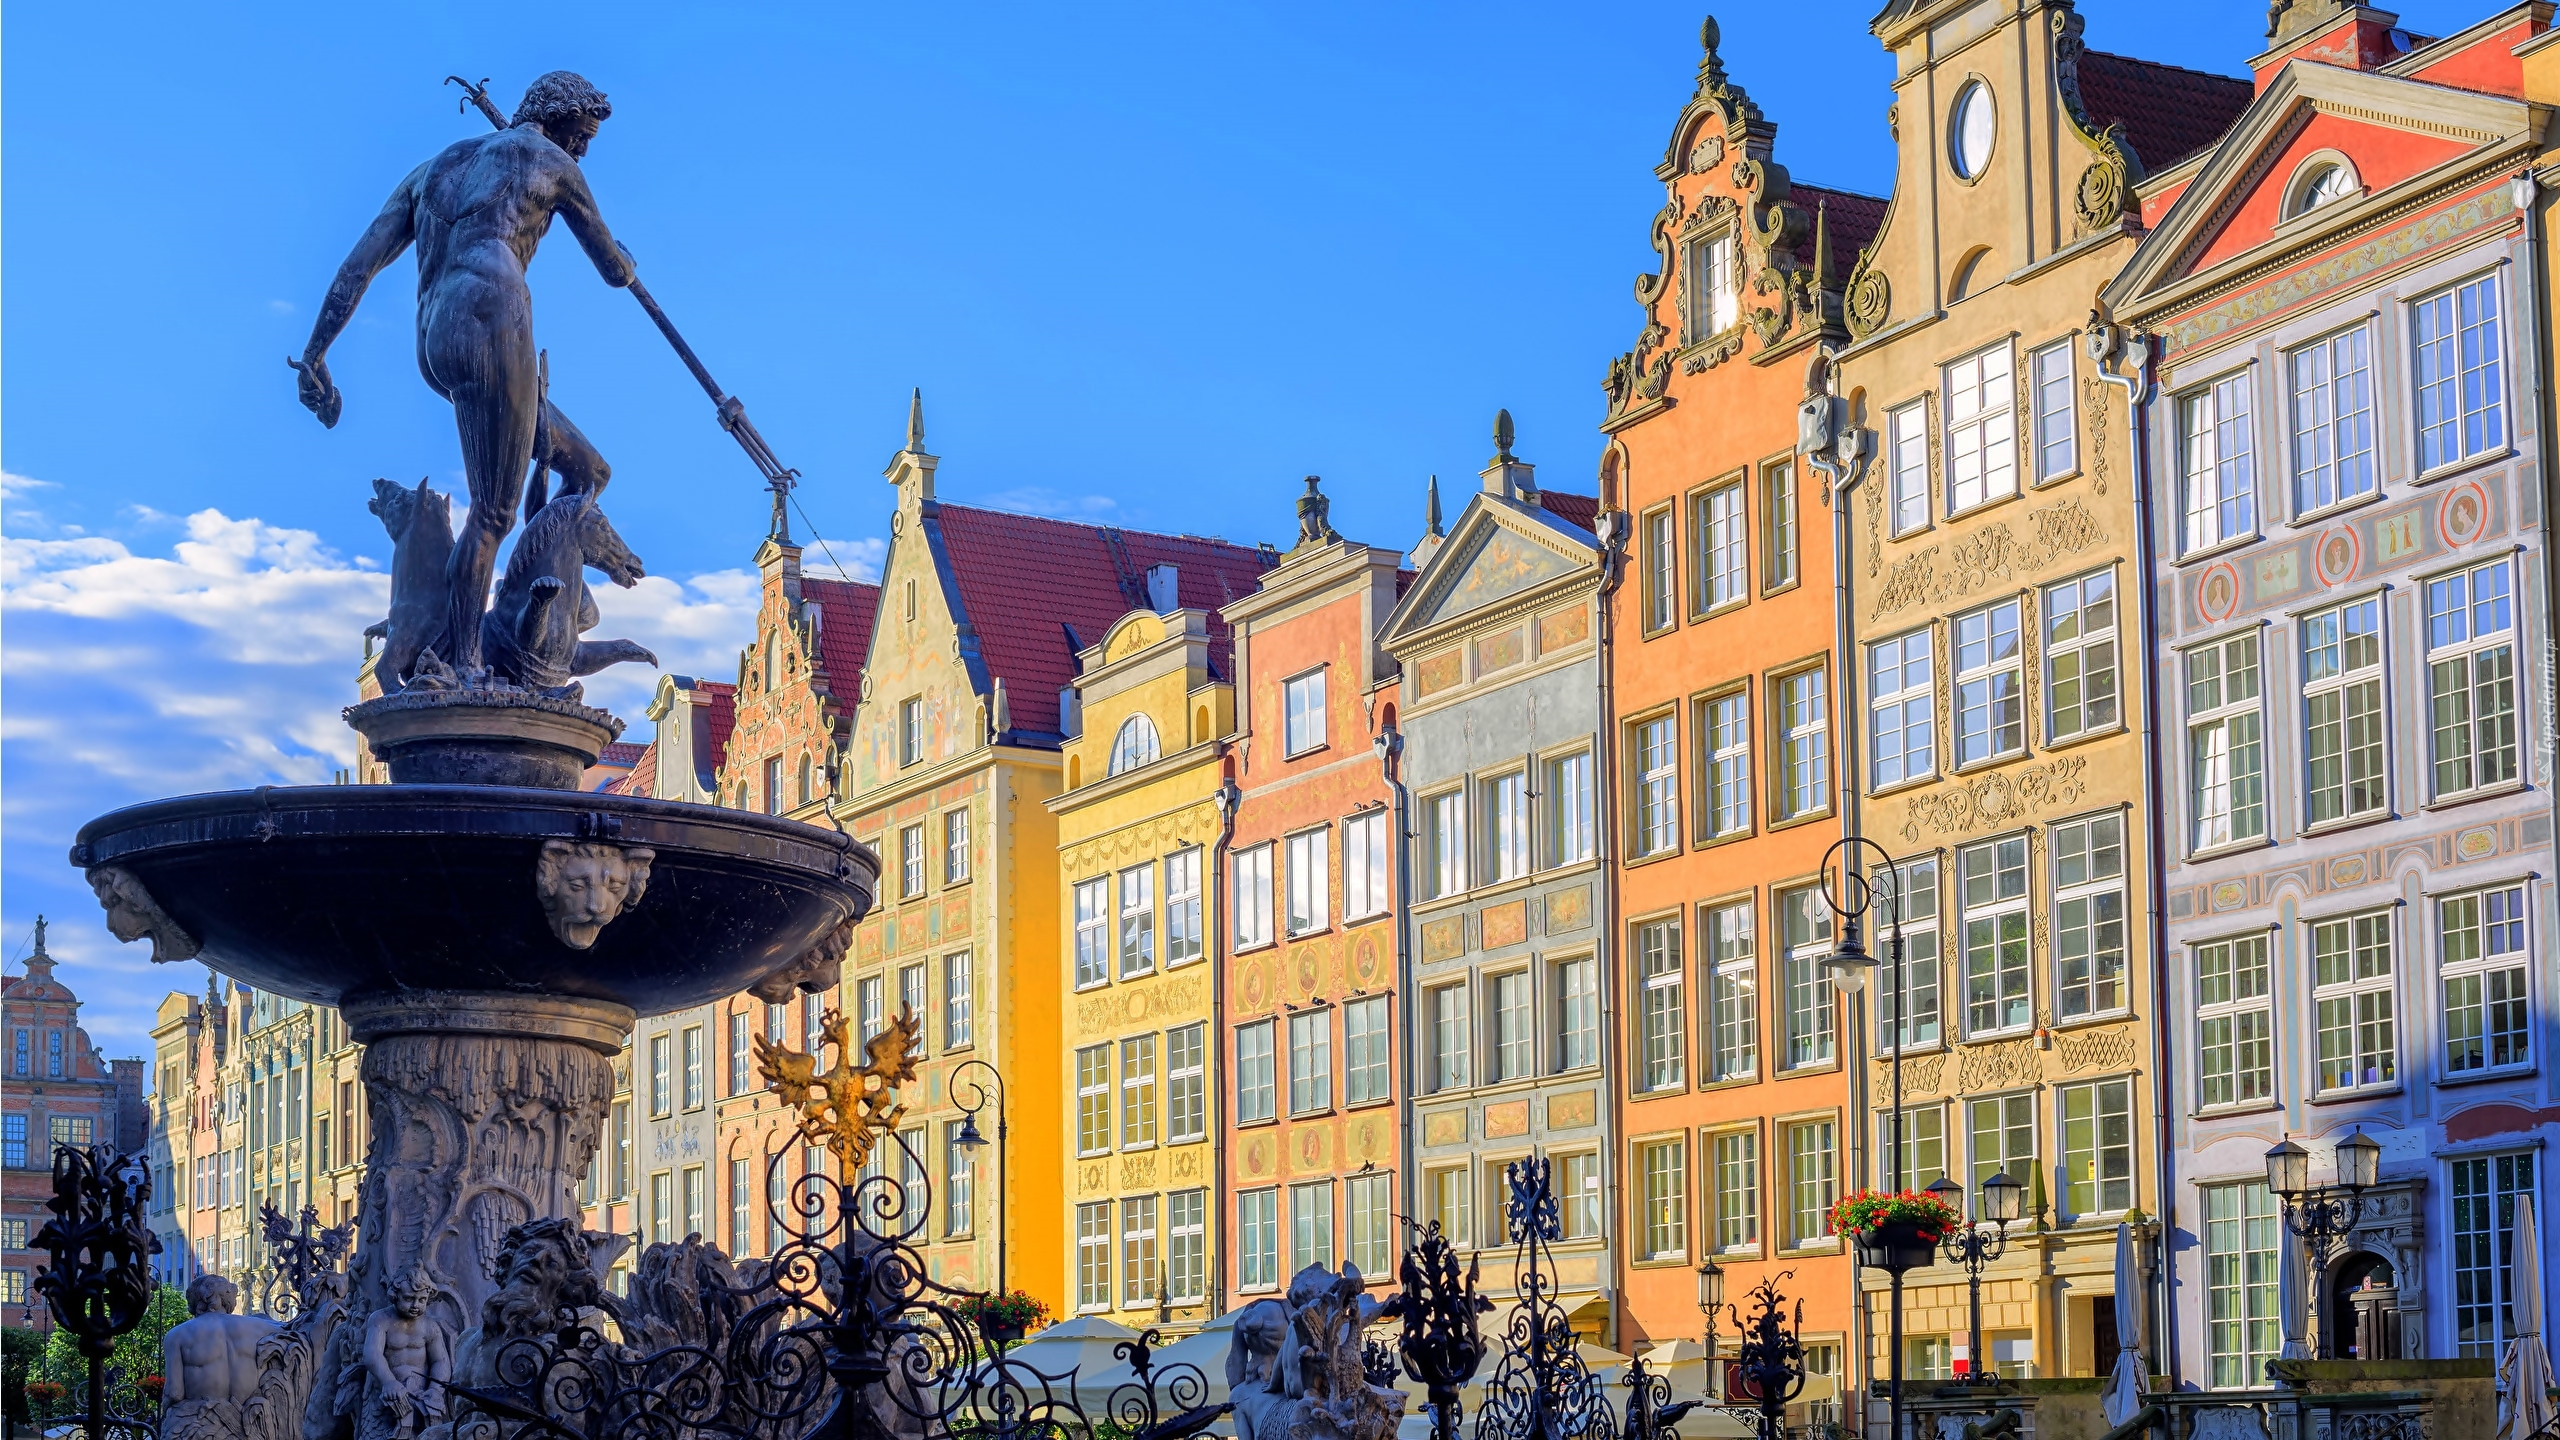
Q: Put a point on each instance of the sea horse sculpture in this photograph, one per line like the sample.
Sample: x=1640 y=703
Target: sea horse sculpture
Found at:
x=530 y=635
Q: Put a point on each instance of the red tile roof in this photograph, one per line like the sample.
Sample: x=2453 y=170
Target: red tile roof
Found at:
x=643 y=779
x=1851 y=218
x=1580 y=511
x=845 y=610
x=1024 y=577
x=2168 y=112
x=719 y=717
x=621 y=752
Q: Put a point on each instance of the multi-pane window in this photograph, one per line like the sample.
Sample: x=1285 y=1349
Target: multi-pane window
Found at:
x=1093 y=1099
x=1138 y=1090
x=2461 y=395
x=662 y=1207
x=1990 y=685
x=1662 y=1004
x=1505 y=818
x=2003 y=1138
x=1578 y=1195
x=2243 y=1245
x=697 y=1079
x=1258 y=1240
x=1514 y=1041
x=661 y=1075
x=1982 y=439
x=911 y=862
x=1568 y=801
x=2352 y=996
x=1721 y=570
x=1138 y=920
x=1910 y=440
x=2332 y=420
x=1901 y=703
x=1365 y=1075
x=1138 y=1273
x=1302 y=712
x=956 y=1018
x=2088 y=916
x=1733 y=996
x=1450 y=1037
x=1444 y=843
x=1577 y=1013
x=911 y=1179
x=1736 y=1157
x=1093 y=1255
x=1310 y=1225
x=1186 y=1083
x=2342 y=710
x=910 y=730
x=2080 y=656
x=1310 y=1062
x=2486 y=1191
x=911 y=995
x=1310 y=891
x=1182 y=932
x=2097 y=1147
x=1093 y=931
x=1991 y=880
x=1364 y=865
x=741 y=1209
x=1716 y=296
x=2226 y=754
x=867 y=1003
x=1812 y=1180
x=1805 y=928
x=1778 y=525
x=2481 y=959
x=2056 y=438
x=1658 y=570
x=1257 y=1080
x=741 y=1061
x=959 y=1181
x=1657 y=808
x=1915 y=1156
x=2218 y=462
x=955 y=846
x=1452 y=1201
x=1253 y=897
x=2235 y=1024
x=1803 y=722
x=1725 y=726
x=1665 y=1167
x=1187 y=1245
x=2471 y=677
x=1914 y=884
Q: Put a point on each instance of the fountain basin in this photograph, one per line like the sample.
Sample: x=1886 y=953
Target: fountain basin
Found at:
x=371 y=892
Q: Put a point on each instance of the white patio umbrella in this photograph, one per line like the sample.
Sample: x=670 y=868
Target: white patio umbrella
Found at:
x=2290 y=1285
x=1205 y=1348
x=2524 y=1376
x=2130 y=1381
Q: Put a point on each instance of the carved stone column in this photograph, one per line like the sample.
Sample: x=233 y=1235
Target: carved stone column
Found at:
x=486 y=1109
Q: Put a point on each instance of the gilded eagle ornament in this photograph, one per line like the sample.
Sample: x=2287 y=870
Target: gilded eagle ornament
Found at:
x=848 y=1108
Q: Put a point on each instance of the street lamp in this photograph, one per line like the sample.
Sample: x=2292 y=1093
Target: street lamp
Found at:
x=1848 y=966
x=971 y=1140
x=2323 y=1215
x=1973 y=1247
x=1710 y=1300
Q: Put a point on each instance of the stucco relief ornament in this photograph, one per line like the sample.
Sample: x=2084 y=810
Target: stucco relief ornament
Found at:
x=2098 y=200
x=1706 y=154
x=133 y=914
x=585 y=885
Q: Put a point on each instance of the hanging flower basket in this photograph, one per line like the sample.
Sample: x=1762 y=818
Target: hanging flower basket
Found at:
x=1003 y=1319
x=1894 y=1230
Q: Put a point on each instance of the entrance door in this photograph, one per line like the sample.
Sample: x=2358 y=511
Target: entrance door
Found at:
x=2363 y=1311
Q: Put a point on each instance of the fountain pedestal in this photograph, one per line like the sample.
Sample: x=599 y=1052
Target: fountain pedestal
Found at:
x=487 y=1109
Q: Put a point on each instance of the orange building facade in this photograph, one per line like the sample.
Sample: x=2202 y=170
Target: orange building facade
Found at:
x=1736 y=1114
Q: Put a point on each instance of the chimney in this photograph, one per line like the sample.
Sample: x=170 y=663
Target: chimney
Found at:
x=1164 y=595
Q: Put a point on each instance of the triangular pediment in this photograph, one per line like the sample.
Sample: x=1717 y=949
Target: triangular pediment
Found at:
x=1496 y=551
x=2383 y=129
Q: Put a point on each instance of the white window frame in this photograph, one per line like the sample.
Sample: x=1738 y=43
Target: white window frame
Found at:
x=2495 y=976
x=2354 y=967
x=2086 y=865
x=1257 y=1071
x=1310 y=1225
x=2335 y=458
x=1908 y=429
x=911 y=861
x=1915 y=891
x=1452 y=1036
x=1184 y=932
x=2235 y=1021
x=2465 y=711
x=1800 y=783
x=2055 y=421
x=1662 y=1229
x=1186 y=1083
x=1813 y=1180
x=1367 y=1051
x=2080 y=657
x=1719 y=526
x=1661 y=570
x=1662 y=1015
x=1252 y=866
x=2446 y=441
x=1571 y=826
x=1139 y=1258
x=1444 y=843
x=959 y=981
x=1734 y=1156
x=1258 y=1237
x=1730 y=931
x=1309 y=863
x=1140 y=1119
x=1512 y=1051
x=1092 y=920
x=1302 y=713
x=2217 y=461
x=2110 y=1194
x=1093 y=1255
x=1187 y=1246
x=1715 y=297
x=1656 y=781
x=1902 y=703
x=1311 y=1062
x=1095 y=1122
x=955 y=846
x=2226 y=741
x=2244 y=1240
x=1137 y=888
x=1574 y=987
x=1991 y=682
x=1981 y=428
x=2010 y=966
x=1364 y=866
x=2342 y=688
x=1809 y=1036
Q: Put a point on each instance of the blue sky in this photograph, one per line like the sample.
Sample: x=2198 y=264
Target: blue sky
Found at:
x=1150 y=265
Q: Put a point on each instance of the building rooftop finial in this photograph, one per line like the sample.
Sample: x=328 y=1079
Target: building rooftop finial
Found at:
x=40 y=929
x=1431 y=508
x=915 y=421
x=1501 y=437
x=1314 y=525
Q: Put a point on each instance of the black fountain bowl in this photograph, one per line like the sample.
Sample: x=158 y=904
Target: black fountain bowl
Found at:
x=321 y=892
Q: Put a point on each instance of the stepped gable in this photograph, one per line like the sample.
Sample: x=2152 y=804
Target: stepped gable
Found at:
x=1021 y=577
x=845 y=608
x=2167 y=111
x=1580 y=511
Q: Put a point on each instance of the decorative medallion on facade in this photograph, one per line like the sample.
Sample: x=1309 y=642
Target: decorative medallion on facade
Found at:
x=1999 y=797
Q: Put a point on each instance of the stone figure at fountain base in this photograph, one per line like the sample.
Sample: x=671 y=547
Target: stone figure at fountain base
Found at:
x=407 y=1358
x=1293 y=1369
x=211 y=1363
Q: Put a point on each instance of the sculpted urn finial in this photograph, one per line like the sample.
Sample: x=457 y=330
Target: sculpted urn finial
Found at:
x=1502 y=437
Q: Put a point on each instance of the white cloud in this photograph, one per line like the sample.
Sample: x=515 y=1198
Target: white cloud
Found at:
x=18 y=487
x=845 y=559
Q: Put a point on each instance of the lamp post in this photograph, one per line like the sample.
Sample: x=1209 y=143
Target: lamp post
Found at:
x=1974 y=1247
x=2322 y=1216
x=1847 y=965
x=1711 y=1299
x=970 y=1140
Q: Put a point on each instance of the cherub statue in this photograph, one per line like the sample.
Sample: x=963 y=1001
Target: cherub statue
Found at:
x=408 y=1357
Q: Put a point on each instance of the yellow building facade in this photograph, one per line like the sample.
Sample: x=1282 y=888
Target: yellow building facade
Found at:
x=1139 y=827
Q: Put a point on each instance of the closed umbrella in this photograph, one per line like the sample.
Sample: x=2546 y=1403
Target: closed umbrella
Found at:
x=2130 y=1380
x=2289 y=1298
x=2524 y=1377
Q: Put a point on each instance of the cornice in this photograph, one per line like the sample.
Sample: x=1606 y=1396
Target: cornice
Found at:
x=1157 y=771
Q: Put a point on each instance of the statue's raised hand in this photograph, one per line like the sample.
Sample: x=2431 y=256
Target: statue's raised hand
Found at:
x=319 y=393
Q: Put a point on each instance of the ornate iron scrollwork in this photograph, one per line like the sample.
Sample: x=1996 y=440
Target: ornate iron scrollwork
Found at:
x=1540 y=1390
x=99 y=1283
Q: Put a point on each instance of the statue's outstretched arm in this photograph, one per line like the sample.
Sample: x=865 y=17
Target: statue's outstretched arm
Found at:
x=382 y=242
x=576 y=204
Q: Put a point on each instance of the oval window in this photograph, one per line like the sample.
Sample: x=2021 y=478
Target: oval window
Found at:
x=1971 y=134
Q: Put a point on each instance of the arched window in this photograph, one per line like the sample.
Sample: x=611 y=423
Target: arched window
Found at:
x=808 y=780
x=772 y=653
x=742 y=795
x=2320 y=185
x=1134 y=746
